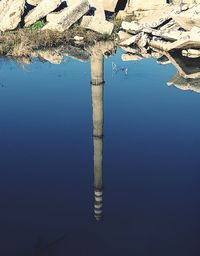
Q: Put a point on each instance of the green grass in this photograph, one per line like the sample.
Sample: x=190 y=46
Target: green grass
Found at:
x=38 y=25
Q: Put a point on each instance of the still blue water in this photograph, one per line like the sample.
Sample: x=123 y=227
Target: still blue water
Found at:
x=151 y=161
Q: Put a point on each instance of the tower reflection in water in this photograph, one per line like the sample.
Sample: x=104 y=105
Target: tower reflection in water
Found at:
x=97 y=83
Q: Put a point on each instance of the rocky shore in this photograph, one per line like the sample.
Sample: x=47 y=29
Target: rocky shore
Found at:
x=30 y=25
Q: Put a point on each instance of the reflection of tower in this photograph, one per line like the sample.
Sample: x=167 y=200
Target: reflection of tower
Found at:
x=97 y=81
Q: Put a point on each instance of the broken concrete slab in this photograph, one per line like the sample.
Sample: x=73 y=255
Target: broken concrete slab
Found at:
x=123 y=35
x=155 y=55
x=97 y=25
x=11 y=12
x=64 y=19
x=41 y=10
x=154 y=19
x=133 y=26
x=183 y=43
x=132 y=40
x=99 y=6
x=143 y=40
x=167 y=26
x=191 y=53
x=189 y=18
x=171 y=36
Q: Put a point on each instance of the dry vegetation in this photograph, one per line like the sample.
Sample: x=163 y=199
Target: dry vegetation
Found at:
x=22 y=42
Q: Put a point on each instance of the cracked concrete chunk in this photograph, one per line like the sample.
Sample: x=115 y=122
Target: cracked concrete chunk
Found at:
x=154 y=19
x=41 y=10
x=189 y=18
x=10 y=14
x=123 y=35
x=130 y=40
x=97 y=25
x=64 y=19
x=100 y=12
x=191 y=53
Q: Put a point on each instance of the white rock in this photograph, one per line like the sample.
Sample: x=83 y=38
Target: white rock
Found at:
x=153 y=20
x=100 y=12
x=78 y=38
x=123 y=35
x=133 y=26
x=41 y=10
x=191 y=53
x=64 y=19
x=129 y=41
x=10 y=14
x=98 y=25
x=189 y=18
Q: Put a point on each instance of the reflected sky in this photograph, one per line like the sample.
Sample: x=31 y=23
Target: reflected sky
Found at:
x=146 y=148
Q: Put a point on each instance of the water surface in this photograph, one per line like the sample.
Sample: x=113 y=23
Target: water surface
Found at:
x=133 y=141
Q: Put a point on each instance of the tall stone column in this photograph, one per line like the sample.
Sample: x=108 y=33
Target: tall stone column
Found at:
x=97 y=81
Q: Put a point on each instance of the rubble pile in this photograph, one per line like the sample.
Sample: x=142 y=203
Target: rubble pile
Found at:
x=171 y=35
x=58 y=15
x=174 y=27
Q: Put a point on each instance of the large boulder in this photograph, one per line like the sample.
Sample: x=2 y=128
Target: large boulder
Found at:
x=98 y=25
x=10 y=14
x=64 y=19
x=41 y=10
